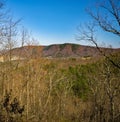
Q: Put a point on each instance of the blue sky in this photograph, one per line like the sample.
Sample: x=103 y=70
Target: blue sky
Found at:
x=55 y=21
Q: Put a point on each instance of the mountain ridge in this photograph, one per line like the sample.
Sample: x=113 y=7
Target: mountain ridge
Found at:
x=60 y=50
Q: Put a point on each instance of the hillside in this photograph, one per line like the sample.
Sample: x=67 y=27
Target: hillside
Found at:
x=73 y=50
x=58 y=51
x=58 y=90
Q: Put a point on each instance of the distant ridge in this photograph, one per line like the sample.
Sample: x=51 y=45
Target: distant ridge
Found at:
x=73 y=50
x=60 y=51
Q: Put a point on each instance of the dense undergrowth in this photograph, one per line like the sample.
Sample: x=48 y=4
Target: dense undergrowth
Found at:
x=65 y=90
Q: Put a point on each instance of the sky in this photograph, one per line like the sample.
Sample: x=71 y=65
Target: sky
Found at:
x=55 y=21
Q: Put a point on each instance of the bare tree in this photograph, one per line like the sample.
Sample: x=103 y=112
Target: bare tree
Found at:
x=87 y=33
x=106 y=88
x=24 y=36
x=10 y=40
x=107 y=16
x=2 y=23
x=8 y=30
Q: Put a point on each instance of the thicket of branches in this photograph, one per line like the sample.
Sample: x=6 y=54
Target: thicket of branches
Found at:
x=107 y=17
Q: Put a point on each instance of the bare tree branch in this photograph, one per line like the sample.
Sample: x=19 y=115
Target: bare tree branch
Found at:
x=87 y=33
x=109 y=20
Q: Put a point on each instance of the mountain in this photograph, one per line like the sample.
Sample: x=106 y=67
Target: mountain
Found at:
x=60 y=50
x=71 y=50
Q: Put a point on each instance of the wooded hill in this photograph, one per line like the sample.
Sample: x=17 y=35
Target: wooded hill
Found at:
x=58 y=51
